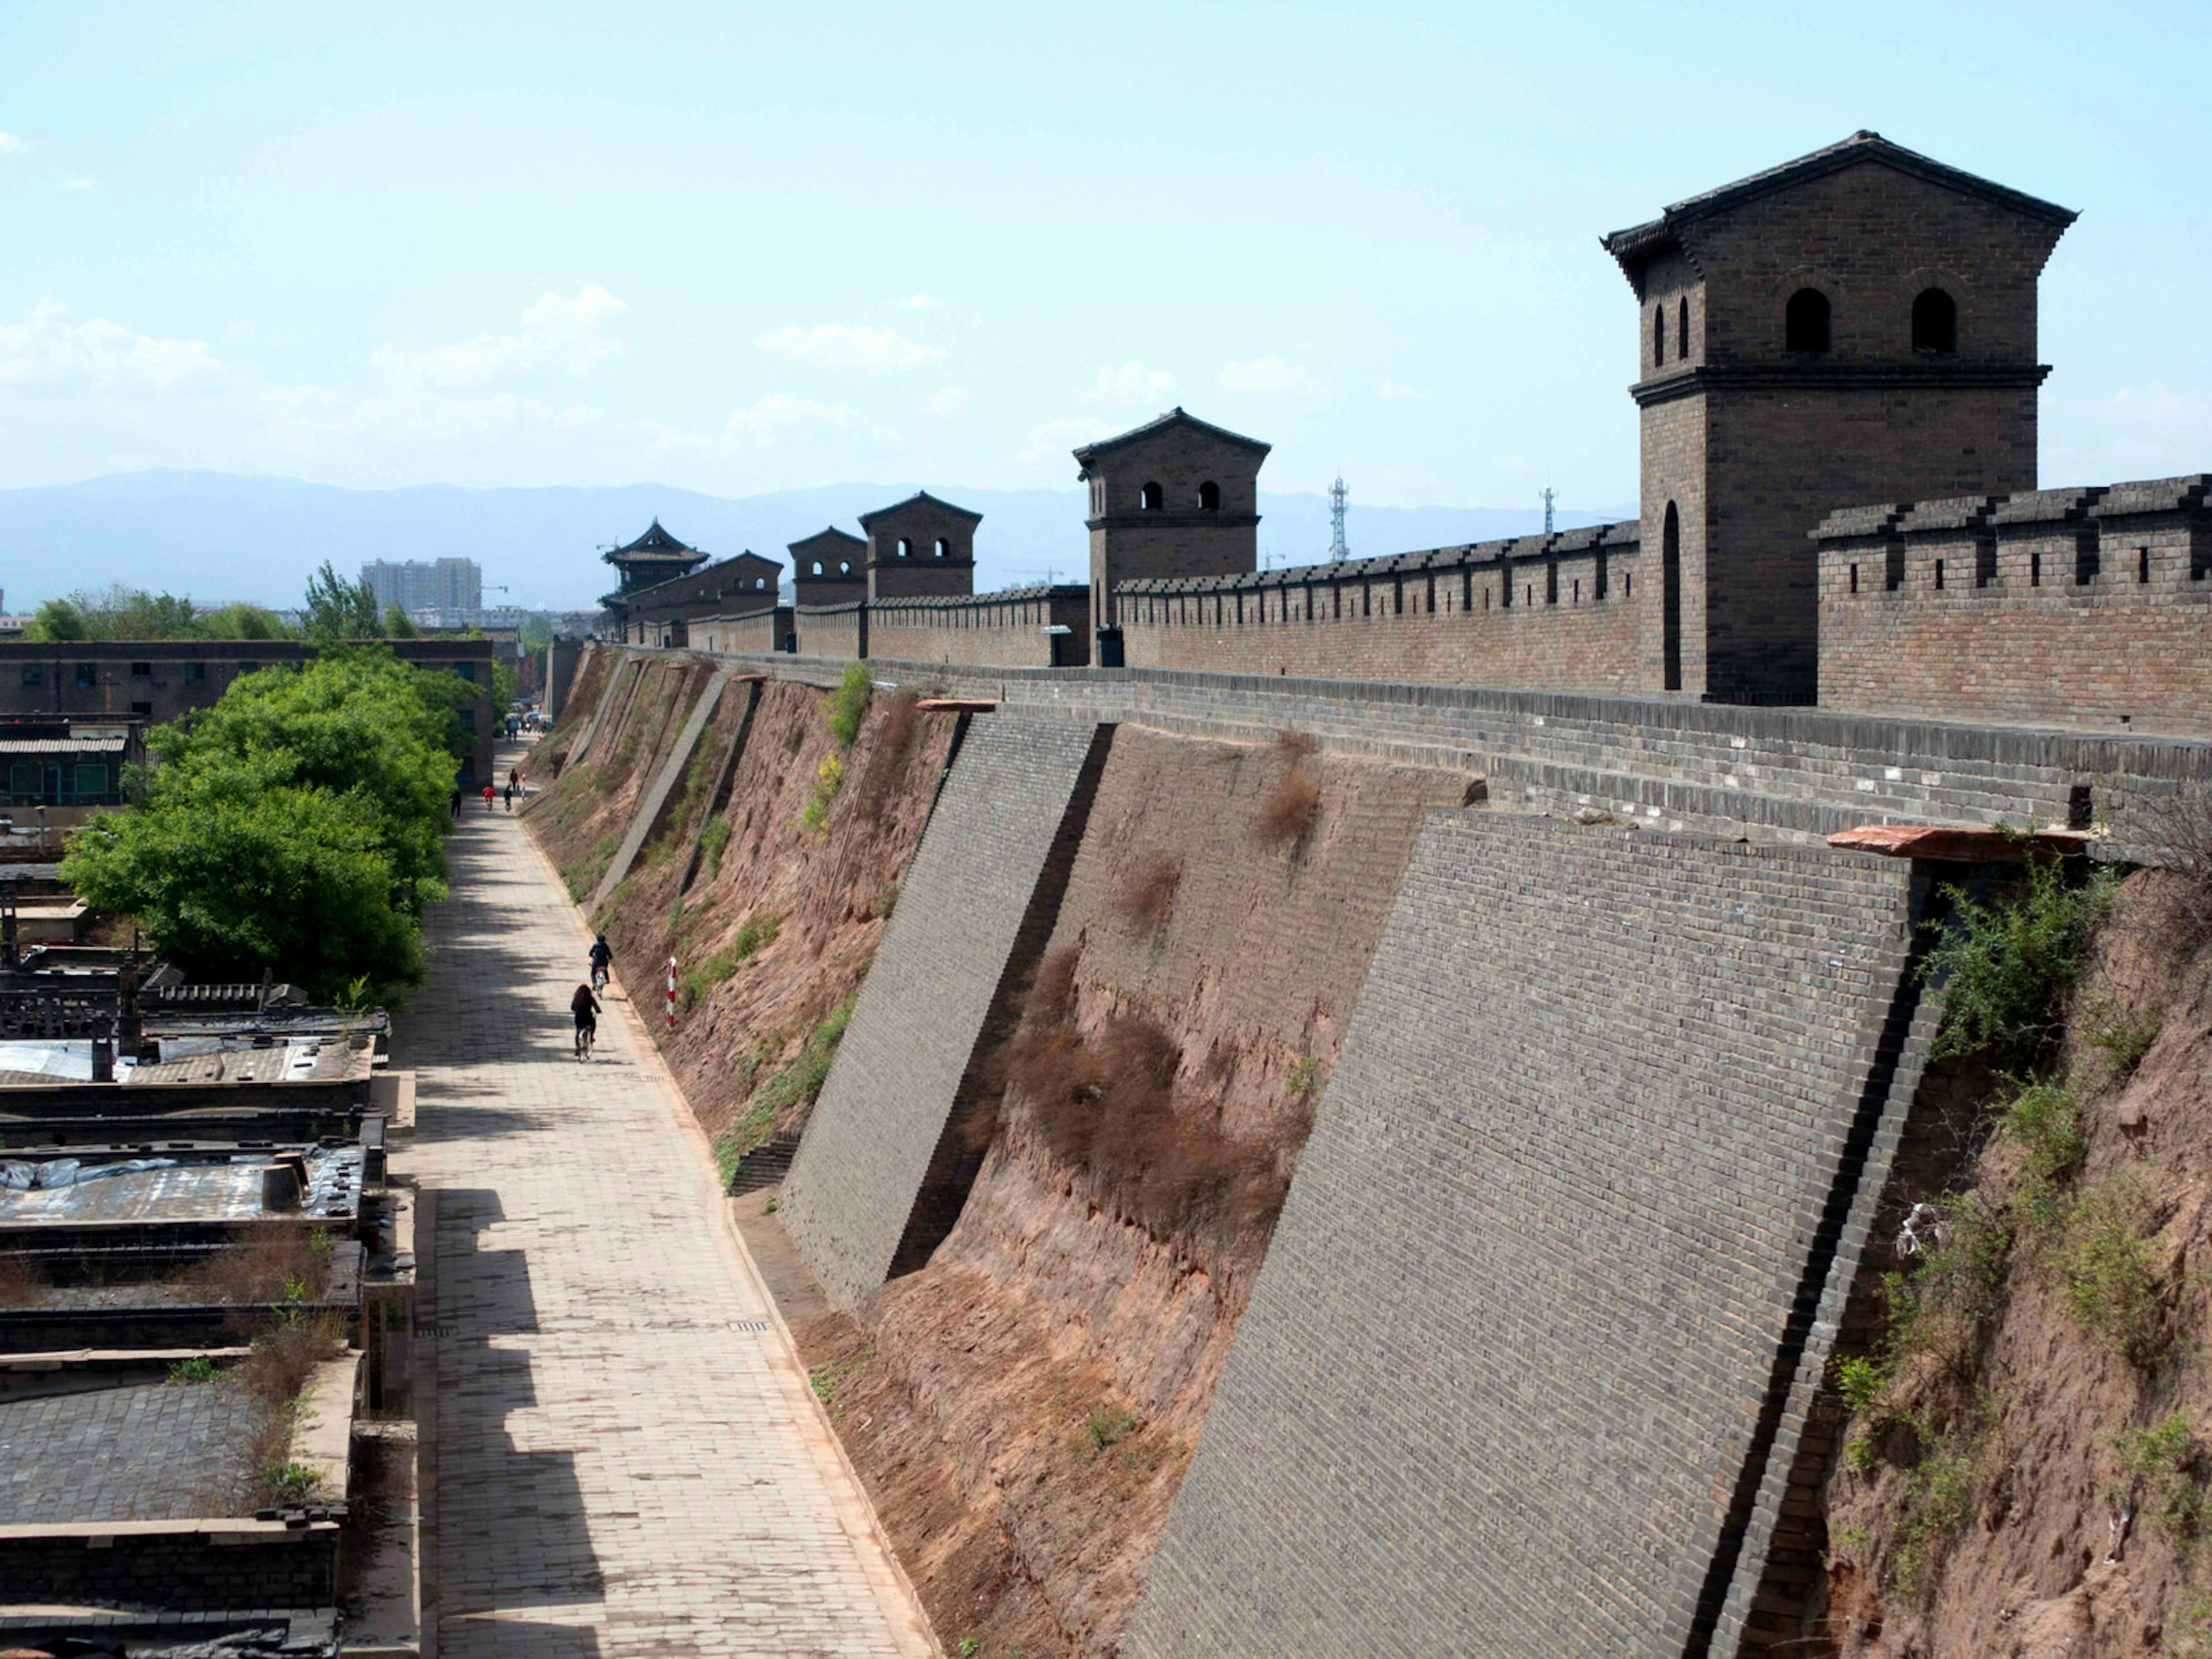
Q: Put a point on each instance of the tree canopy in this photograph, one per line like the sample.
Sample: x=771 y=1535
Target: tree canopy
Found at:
x=339 y=610
x=296 y=827
x=131 y=613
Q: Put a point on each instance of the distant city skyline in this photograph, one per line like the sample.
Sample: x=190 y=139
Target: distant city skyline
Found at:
x=743 y=250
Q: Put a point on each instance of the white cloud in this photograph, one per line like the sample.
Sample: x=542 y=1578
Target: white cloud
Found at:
x=50 y=349
x=1271 y=377
x=9 y=142
x=77 y=184
x=1130 y=386
x=1391 y=392
x=917 y=302
x=950 y=401
x=558 y=334
x=781 y=415
x=839 y=346
x=1052 y=440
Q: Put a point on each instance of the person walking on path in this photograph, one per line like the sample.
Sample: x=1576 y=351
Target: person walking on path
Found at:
x=457 y=803
x=586 y=1007
x=488 y=795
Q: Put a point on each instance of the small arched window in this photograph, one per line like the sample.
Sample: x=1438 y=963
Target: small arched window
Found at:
x=1934 y=321
x=1209 y=496
x=818 y=568
x=1151 y=498
x=759 y=583
x=1682 y=329
x=844 y=567
x=1658 y=334
x=1805 y=321
x=905 y=548
x=943 y=547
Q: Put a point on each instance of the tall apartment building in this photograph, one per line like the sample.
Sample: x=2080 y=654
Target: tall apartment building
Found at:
x=426 y=585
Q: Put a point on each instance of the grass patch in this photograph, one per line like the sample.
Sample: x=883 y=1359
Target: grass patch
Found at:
x=712 y=841
x=275 y=1266
x=198 y=1369
x=698 y=983
x=1300 y=1082
x=848 y=706
x=828 y=779
x=742 y=1137
x=289 y=1485
x=582 y=875
x=1107 y=1427
x=2123 y=1042
x=830 y=1380
x=2163 y=1470
x=2105 y=1262
x=801 y=1083
x=1938 y=1501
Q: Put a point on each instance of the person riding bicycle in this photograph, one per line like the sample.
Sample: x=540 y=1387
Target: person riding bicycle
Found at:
x=586 y=1007
x=602 y=958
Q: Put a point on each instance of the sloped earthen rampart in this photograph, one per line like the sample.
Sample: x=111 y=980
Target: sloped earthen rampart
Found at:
x=976 y=906
x=1524 y=1346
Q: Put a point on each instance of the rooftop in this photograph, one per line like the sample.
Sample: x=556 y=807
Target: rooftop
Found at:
x=1175 y=418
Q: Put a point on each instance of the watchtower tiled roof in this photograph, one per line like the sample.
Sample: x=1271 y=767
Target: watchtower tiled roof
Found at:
x=1174 y=417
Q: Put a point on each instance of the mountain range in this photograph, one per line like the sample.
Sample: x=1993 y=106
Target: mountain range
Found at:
x=219 y=537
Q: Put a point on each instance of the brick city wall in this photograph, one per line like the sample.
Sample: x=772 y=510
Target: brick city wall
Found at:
x=762 y=630
x=175 y=1567
x=948 y=961
x=2075 y=607
x=1560 y=612
x=1004 y=629
x=832 y=630
x=1598 y=1090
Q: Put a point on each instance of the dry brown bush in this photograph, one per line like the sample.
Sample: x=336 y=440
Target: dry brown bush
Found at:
x=273 y=1262
x=285 y=1355
x=1289 y=813
x=20 y=1283
x=1148 y=893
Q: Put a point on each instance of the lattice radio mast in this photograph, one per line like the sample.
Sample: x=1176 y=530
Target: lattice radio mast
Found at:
x=1338 y=551
x=1548 y=509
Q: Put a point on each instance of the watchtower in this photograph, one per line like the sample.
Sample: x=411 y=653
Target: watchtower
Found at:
x=1856 y=325
x=921 y=546
x=829 y=568
x=1174 y=497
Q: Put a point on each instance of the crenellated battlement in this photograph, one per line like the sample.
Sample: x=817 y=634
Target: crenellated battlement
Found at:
x=2084 y=605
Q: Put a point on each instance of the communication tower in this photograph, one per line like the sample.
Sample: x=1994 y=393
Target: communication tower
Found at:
x=1548 y=509
x=1338 y=551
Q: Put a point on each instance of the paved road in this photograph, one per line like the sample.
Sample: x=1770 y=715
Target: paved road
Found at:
x=625 y=1456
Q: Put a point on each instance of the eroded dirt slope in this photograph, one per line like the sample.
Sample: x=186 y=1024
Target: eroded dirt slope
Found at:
x=1022 y=1407
x=2033 y=1480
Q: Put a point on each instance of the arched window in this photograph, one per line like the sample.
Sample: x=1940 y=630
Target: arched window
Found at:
x=844 y=566
x=943 y=547
x=1934 y=321
x=1682 y=329
x=1151 y=498
x=1805 y=321
x=905 y=548
x=1658 y=335
x=1209 y=497
x=818 y=568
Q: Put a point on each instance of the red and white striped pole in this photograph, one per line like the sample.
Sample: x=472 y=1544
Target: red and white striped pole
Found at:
x=672 y=993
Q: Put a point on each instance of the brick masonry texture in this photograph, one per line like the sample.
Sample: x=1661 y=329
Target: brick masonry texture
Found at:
x=875 y=1131
x=1615 y=1078
x=832 y=630
x=185 y=1570
x=2088 y=607
x=146 y=1451
x=1006 y=629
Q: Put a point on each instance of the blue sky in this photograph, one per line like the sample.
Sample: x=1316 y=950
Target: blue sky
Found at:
x=741 y=250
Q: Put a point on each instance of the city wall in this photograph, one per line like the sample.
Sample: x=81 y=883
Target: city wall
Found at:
x=1016 y=628
x=1548 y=612
x=2085 y=608
x=838 y=631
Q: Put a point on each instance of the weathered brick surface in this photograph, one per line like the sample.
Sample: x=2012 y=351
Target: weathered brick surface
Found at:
x=920 y=545
x=762 y=630
x=877 y=1129
x=1002 y=629
x=181 y=1570
x=1513 y=1354
x=2088 y=607
x=141 y=1452
x=1182 y=459
x=832 y=630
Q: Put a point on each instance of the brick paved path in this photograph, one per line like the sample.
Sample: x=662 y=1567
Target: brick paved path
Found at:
x=625 y=1459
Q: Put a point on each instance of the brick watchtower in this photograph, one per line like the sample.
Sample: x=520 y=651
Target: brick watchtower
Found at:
x=1176 y=497
x=921 y=546
x=1855 y=325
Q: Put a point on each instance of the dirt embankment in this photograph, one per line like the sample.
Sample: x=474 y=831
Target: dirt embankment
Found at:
x=1021 y=1408
x=2031 y=1478
x=781 y=917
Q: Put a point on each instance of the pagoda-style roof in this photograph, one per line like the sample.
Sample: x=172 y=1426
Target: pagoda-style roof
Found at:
x=653 y=557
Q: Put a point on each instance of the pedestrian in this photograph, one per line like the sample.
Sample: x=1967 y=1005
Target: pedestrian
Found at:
x=510 y=797
x=514 y=780
x=457 y=803
x=488 y=792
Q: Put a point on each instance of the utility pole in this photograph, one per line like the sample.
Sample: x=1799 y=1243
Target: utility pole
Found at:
x=1338 y=552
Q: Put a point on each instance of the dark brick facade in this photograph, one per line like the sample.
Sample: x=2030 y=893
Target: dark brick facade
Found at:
x=921 y=546
x=775 y=630
x=1523 y=1345
x=2064 y=607
x=154 y=680
x=1174 y=497
x=662 y=614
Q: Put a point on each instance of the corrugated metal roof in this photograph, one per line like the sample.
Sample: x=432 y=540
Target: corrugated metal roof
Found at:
x=61 y=745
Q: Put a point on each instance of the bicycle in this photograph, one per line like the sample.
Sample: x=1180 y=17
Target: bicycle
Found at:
x=586 y=1036
x=599 y=978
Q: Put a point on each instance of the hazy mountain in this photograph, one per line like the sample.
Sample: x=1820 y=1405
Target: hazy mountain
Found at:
x=216 y=535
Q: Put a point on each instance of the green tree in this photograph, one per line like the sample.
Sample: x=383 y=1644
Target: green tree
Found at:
x=243 y=622
x=397 y=626
x=55 y=620
x=338 y=609
x=297 y=826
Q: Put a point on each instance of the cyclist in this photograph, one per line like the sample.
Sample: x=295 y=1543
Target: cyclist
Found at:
x=602 y=958
x=586 y=1007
